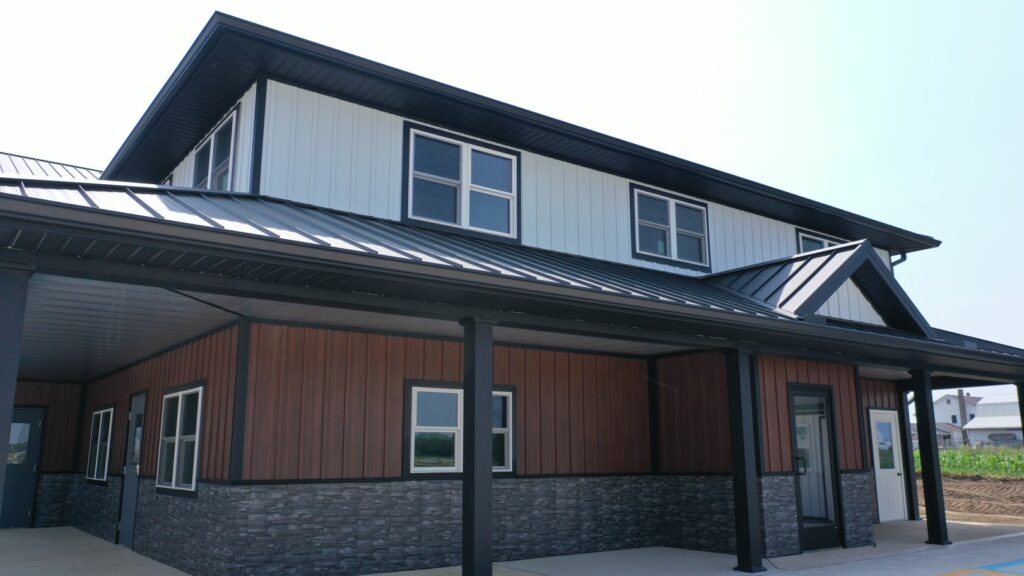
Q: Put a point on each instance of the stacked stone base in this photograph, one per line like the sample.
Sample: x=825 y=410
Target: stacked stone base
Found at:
x=354 y=528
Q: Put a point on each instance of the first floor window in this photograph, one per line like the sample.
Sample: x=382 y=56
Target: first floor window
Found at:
x=99 y=444
x=179 y=439
x=211 y=167
x=436 y=431
x=670 y=227
x=462 y=184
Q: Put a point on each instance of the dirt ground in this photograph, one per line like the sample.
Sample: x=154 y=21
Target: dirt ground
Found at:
x=973 y=499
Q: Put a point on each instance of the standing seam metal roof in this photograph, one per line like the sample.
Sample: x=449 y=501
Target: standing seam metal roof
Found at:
x=17 y=165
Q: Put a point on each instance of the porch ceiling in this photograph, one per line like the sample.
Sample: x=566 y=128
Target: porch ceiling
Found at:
x=77 y=330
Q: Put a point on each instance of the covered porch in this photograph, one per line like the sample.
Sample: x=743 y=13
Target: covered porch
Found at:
x=642 y=416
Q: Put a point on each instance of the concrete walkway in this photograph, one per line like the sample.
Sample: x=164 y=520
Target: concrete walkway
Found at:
x=71 y=552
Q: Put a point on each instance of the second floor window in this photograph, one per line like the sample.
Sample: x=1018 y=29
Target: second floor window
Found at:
x=670 y=228
x=810 y=242
x=211 y=167
x=462 y=184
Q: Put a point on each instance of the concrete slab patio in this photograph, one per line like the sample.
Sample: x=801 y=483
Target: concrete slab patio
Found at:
x=978 y=549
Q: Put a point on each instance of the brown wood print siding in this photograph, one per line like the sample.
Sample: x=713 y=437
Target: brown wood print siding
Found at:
x=693 y=410
x=60 y=427
x=880 y=394
x=776 y=375
x=212 y=359
x=330 y=404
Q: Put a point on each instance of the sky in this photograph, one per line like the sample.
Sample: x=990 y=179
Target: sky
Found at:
x=907 y=112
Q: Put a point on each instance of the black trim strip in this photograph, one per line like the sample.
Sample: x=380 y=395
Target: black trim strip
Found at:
x=258 y=124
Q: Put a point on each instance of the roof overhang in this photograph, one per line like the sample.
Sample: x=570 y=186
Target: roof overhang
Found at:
x=89 y=242
x=231 y=53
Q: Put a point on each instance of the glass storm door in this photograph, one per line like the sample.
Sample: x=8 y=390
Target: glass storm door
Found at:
x=814 y=462
x=889 y=485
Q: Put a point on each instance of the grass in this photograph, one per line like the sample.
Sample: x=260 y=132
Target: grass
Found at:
x=984 y=462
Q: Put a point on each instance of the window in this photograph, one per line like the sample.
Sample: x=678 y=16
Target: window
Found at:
x=211 y=167
x=954 y=418
x=808 y=242
x=462 y=184
x=670 y=228
x=947 y=401
x=970 y=416
x=436 y=431
x=99 y=444
x=168 y=181
x=179 y=440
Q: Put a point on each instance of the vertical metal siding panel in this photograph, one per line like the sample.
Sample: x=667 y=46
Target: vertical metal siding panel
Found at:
x=277 y=144
x=529 y=199
x=563 y=415
x=548 y=416
x=332 y=452
x=586 y=202
x=343 y=138
x=590 y=422
x=769 y=419
x=376 y=412
x=545 y=199
x=312 y=411
x=613 y=248
x=451 y=361
x=355 y=406
x=381 y=166
x=573 y=213
x=433 y=353
x=289 y=405
x=362 y=160
x=395 y=402
x=255 y=343
x=324 y=170
x=576 y=399
x=532 y=408
x=516 y=376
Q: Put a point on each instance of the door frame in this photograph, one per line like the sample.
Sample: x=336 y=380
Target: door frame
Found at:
x=124 y=461
x=44 y=410
x=824 y=390
x=898 y=455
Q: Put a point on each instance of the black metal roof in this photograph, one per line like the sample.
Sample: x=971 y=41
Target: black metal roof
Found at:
x=231 y=53
x=266 y=247
x=801 y=284
x=18 y=165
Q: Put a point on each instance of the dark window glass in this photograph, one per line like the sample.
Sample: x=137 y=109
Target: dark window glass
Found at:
x=170 y=416
x=886 y=457
x=689 y=248
x=437 y=409
x=435 y=201
x=489 y=212
x=222 y=144
x=94 y=444
x=201 y=166
x=653 y=210
x=434 y=450
x=653 y=240
x=689 y=219
x=135 y=454
x=492 y=171
x=190 y=416
x=498 y=451
x=810 y=244
x=17 y=450
x=166 y=461
x=436 y=158
x=186 y=462
x=499 y=411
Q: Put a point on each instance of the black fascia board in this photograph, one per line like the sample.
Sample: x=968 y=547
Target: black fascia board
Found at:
x=159 y=140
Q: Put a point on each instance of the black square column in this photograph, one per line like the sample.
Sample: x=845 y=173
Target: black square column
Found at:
x=931 y=471
x=907 y=443
x=13 y=290
x=744 y=461
x=477 y=529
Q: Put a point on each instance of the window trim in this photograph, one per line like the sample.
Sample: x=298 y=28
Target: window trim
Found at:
x=673 y=198
x=828 y=241
x=178 y=393
x=232 y=116
x=89 y=468
x=465 y=185
x=408 y=468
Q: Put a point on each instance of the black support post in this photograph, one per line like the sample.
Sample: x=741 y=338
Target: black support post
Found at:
x=13 y=290
x=907 y=441
x=476 y=447
x=1020 y=403
x=744 y=461
x=928 y=445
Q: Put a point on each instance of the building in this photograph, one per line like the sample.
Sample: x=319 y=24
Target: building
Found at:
x=997 y=423
x=947 y=409
x=319 y=314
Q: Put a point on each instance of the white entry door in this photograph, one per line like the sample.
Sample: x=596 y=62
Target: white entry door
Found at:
x=890 y=487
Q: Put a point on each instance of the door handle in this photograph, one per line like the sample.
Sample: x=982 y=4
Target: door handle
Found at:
x=801 y=466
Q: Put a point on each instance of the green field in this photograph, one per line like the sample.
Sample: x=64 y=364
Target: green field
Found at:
x=985 y=462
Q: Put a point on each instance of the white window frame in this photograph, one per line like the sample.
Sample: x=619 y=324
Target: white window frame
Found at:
x=232 y=117
x=672 y=230
x=161 y=439
x=90 y=473
x=458 y=431
x=826 y=242
x=464 y=185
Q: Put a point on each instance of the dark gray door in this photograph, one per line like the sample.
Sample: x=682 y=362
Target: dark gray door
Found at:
x=816 y=468
x=22 y=468
x=132 y=458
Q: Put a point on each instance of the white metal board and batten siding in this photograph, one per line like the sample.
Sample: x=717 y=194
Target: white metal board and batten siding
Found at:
x=242 y=162
x=330 y=152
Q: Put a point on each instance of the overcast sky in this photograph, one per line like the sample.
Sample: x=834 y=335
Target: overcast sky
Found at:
x=908 y=112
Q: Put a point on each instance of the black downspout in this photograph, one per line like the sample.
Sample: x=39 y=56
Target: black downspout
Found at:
x=478 y=387
x=746 y=504
x=931 y=470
